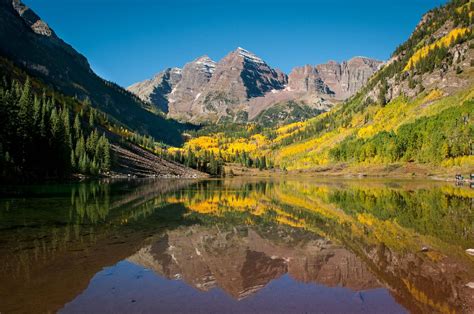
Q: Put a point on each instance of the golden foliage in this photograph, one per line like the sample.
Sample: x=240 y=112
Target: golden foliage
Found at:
x=444 y=41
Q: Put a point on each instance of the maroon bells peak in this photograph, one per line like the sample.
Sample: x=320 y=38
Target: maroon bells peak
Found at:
x=243 y=87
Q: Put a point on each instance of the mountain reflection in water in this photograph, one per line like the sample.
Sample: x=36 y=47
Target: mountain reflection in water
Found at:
x=237 y=245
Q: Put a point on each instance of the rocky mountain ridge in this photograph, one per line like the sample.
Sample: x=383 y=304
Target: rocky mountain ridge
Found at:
x=340 y=80
x=242 y=86
x=28 y=41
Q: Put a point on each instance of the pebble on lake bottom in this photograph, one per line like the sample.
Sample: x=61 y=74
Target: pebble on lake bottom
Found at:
x=470 y=252
x=470 y=285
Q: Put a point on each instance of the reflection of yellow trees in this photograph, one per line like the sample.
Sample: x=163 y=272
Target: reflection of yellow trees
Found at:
x=310 y=202
x=375 y=213
x=389 y=233
x=349 y=214
x=458 y=191
x=421 y=297
x=219 y=203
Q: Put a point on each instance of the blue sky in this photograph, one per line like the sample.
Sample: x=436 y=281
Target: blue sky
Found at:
x=130 y=40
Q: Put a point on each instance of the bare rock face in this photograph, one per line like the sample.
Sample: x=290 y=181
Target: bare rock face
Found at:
x=32 y=19
x=356 y=72
x=156 y=90
x=194 y=77
x=338 y=80
x=308 y=79
x=209 y=91
x=239 y=76
x=241 y=86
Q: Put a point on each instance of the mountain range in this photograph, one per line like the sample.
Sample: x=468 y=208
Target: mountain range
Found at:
x=415 y=108
x=243 y=87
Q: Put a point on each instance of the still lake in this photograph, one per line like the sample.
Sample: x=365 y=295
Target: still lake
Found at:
x=237 y=245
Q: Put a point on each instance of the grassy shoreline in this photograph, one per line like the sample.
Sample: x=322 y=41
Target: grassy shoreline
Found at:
x=397 y=170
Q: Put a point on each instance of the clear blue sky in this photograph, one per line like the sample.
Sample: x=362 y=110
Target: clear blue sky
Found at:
x=130 y=40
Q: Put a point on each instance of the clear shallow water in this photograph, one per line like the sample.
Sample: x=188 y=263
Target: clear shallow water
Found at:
x=237 y=246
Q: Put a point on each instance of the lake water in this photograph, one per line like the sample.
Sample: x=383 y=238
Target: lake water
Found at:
x=237 y=246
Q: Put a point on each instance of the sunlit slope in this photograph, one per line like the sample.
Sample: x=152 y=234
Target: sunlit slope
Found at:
x=418 y=109
x=432 y=128
x=440 y=131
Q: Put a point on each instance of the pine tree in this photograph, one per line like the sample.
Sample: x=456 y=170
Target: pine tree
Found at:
x=91 y=142
x=80 y=147
x=25 y=109
x=107 y=160
x=77 y=128
x=91 y=118
x=73 y=160
x=36 y=111
x=382 y=92
x=67 y=128
x=84 y=163
x=55 y=123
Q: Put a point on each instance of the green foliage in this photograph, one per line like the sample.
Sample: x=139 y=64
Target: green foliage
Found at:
x=436 y=18
x=433 y=212
x=38 y=141
x=285 y=113
x=427 y=140
x=209 y=163
x=382 y=92
x=434 y=59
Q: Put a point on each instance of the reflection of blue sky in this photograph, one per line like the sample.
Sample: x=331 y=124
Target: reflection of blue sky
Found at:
x=129 y=288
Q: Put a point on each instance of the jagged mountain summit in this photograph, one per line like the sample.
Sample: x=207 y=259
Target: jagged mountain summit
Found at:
x=243 y=87
x=156 y=89
x=238 y=77
x=195 y=75
x=340 y=80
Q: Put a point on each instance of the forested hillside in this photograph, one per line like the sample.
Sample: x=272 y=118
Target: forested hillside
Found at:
x=47 y=135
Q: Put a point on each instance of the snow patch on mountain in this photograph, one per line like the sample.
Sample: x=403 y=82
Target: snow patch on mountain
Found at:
x=249 y=56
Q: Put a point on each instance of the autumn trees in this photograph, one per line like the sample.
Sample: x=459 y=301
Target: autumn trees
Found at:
x=427 y=140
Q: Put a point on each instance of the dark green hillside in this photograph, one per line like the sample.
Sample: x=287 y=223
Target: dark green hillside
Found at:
x=48 y=137
x=47 y=56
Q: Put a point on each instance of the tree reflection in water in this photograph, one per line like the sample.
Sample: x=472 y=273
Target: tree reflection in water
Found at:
x=239 y=235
